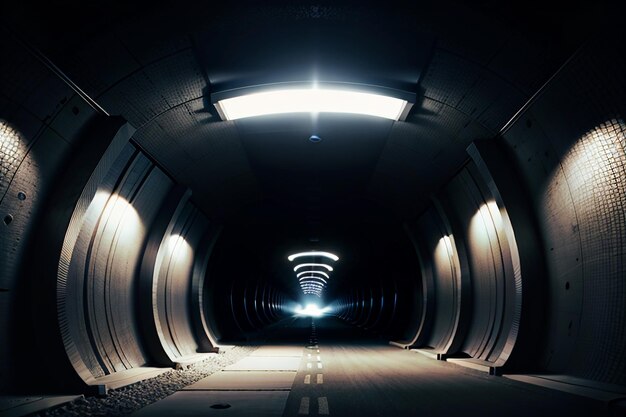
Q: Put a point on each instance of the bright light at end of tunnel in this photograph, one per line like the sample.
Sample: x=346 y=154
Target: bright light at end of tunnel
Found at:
x=314 y=253
x=311 y=100
x=328 y=267
x=312 y=310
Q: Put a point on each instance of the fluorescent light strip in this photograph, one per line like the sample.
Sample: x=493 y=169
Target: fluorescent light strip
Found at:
x=311 y=100
x=328 y=267
x=313 y=272
x=314 y=253
x=310 y=277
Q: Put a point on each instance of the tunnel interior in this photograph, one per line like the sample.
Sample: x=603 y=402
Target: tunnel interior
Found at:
x=142 y=227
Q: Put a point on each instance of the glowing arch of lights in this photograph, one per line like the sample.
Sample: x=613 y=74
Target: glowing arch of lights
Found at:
x=310 y=277
x=314 y=253
x=313 y=272
x=328 y=267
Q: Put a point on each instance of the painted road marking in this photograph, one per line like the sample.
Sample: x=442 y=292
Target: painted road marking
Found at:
x=309 y=365
x=304 y=406
x=319 y=365
x=319 y=358
x=309 y=355
x=322 y=403
x=320 y=378
x=307 y=379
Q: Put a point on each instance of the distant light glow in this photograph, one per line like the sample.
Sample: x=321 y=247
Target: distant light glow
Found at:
x=314 y=253
x=313 y=272
x=312 y=310
x=311 y=100
x=320 y=286
x=310 y=277
x=328 y=267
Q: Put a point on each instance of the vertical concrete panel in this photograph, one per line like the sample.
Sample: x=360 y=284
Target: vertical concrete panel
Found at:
x=478 y=224
x=439 y=260
x=101 y=298
x=172 y=286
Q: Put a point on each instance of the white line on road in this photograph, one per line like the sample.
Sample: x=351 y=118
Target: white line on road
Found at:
x=308 y=365
x=304 y=406
x=322 y=403
x=319 y=358
x=319 y=365
x=307 y=379
x=308 y=354
x=320 y=378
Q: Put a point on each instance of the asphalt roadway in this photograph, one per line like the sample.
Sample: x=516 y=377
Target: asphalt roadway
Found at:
x=324 y=367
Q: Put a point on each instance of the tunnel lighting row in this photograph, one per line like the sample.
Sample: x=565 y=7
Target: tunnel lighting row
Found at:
x=324 y=274
x=313 y=253
x=311 y=281
x=328 y=267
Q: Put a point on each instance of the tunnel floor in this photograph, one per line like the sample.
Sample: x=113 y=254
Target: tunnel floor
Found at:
x=325 y=367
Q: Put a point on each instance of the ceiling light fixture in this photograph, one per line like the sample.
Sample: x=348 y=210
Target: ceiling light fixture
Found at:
x=313 y=272
x=312 y=284
x=314 y=253
x=322 y=98
x=328 y=267
x=310 y=277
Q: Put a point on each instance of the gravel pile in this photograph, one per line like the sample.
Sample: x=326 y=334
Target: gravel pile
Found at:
x=128 y=399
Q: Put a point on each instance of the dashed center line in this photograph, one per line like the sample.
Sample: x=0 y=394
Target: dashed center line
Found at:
x=319 y=358
x=322 y=404
x=304 y=406
x=319 y=365
x=320 y=378
x=307 y=379
x=309 y=365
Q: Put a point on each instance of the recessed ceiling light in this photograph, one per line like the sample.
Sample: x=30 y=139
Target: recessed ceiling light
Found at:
x=325 y=98
x=315 y=139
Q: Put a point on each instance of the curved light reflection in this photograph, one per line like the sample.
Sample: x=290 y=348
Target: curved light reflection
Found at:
x=313 y=272
x=309 y=277
x=311 y=284
x=314 y=253
x=328 y=267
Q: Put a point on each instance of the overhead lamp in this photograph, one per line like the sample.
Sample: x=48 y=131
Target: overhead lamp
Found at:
x=313 y=98
x=311 y=284
x=328 y=267
x=310 y=277
x=313 y=272
x=314 y=253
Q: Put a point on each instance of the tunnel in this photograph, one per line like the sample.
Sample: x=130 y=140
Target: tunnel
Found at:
x=313 y=208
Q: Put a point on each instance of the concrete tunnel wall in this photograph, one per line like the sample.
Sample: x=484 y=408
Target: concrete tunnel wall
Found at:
x=104 y=260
